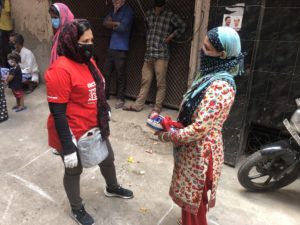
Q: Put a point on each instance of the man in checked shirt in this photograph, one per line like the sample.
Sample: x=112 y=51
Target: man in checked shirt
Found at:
x=162 y=26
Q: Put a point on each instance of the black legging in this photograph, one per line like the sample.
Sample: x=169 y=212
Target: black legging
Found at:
x=72 y=178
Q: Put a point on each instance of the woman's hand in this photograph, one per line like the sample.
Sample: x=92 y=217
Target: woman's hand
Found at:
x=71 y=160
x=163 y=136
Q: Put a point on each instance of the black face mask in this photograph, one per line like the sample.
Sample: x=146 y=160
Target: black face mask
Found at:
x=86 y=51
x=12 y=46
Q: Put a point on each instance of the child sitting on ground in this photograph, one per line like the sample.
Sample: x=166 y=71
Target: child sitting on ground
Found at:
x=14 y=80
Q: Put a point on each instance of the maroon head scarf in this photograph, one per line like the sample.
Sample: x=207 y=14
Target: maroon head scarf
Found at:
x=68 y=47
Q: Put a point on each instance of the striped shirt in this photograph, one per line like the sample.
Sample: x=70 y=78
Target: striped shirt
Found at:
x=158 y=28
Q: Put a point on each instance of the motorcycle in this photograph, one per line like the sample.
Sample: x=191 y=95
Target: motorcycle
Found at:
x=275 y=165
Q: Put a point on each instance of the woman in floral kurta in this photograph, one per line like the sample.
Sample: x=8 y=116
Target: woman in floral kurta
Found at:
x=198 y=147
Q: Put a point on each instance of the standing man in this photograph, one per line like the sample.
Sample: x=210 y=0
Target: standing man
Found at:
x=119 y=20
x=6 y=27
x=162 y=26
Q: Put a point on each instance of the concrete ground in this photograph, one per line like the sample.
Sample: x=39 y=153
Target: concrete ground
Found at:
x=31 y=178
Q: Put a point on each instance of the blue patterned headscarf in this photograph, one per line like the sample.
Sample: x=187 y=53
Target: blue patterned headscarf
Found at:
x=223 y=39
x=214 y=68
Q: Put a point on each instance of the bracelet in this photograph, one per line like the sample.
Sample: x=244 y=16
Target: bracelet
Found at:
x=161 y=137
x=168 y=137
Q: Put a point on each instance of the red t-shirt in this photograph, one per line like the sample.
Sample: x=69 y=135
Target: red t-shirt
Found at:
x=72 y=83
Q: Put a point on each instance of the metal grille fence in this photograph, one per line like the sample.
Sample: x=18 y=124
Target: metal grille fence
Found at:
x=177 y=77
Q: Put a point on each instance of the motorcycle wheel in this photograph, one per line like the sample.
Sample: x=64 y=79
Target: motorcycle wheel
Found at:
x=265 y=167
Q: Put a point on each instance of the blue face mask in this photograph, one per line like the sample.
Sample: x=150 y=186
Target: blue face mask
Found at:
x=55 y=22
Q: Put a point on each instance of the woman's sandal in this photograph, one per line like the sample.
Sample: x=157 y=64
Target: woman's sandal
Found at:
x=21 y=109
x=129 y=108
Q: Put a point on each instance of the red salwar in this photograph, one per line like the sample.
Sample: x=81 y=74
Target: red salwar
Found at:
x=200 y=219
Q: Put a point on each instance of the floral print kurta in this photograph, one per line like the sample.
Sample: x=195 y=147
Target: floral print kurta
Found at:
x=195 y=143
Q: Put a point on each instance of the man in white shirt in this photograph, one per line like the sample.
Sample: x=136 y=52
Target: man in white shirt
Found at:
x=28 y=63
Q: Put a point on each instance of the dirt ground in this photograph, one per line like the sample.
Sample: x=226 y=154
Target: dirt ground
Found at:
x=32 y=190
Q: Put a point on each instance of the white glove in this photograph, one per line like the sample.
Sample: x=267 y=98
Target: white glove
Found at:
x=71 y=160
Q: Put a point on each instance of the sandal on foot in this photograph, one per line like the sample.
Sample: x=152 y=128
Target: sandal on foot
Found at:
x=21 y=109
x=15 y=107
x=130 y=108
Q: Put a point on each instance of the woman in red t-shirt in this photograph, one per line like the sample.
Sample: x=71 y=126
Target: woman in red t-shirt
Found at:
x=76 y=96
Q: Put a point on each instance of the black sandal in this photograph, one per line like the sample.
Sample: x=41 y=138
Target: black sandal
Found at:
x=129 y=108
